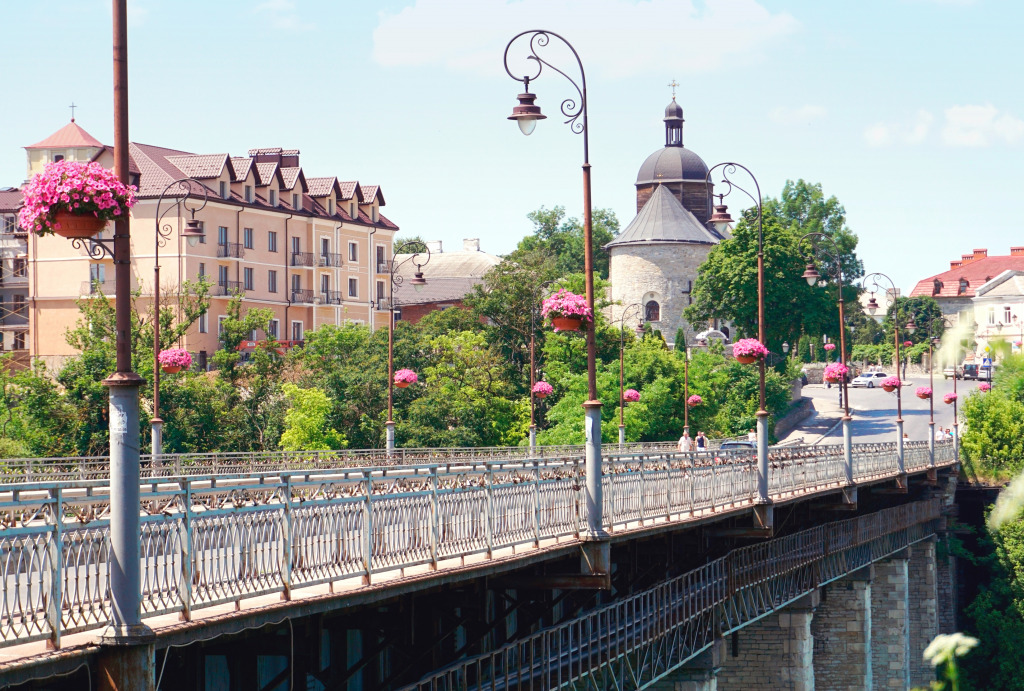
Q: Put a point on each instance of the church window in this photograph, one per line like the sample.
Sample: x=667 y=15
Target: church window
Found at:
x=652 y=312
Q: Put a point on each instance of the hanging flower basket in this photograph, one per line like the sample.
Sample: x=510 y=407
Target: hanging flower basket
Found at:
x=984 y=386
x=75 y=200
x=923 y=392
x=566 y=310
x=835 y=372
x=891 y=383
x=404 y=377
x=694 y=401
x=542 y=389
x=949 y=398
x=630 y=395
x=173 y=360
x=907 y=344
x=748 y=350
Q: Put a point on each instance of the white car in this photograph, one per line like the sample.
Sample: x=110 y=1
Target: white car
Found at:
x=869 y=379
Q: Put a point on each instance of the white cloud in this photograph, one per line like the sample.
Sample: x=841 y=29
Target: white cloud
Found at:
x=981 y=126
x=283 y=14
x=802 y=115
x=910 y=131
x=620 y=38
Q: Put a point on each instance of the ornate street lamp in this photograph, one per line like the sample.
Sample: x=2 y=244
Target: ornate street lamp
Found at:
x=824 y=247
x=526 y=114
x=534 y=309
x=875 y=282
x=178 y=194
x=722 y=220
x=635 y=310
x=933 y=327
x=419 y=251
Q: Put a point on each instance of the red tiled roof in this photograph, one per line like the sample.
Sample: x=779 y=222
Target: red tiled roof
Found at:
x=133 y=167
x=348 y=189
x=976 y=272
x=70 y=135
x=155 y=171
x=240 y=166
x=265 y=172
x=10 y=200
x=321 y=187
x=371 y=191
x=200 y=166
x=289 y=176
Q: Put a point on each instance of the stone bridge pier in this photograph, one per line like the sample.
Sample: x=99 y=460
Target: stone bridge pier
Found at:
x=865 y=631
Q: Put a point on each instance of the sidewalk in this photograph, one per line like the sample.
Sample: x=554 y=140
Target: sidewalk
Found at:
x=827 y=414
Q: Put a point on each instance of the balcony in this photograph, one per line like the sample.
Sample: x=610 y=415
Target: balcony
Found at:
x=329 y=259
x=303 y=296
x=230 y=287
x=302 y=259
x=18 y=276
x=384 y=267
x=383 y=304
x=232 y=250
x=332 y=297
x=97 y=287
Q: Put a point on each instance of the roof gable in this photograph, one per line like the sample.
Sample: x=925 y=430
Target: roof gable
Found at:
x=322 y=187
x=664 y=219
x=241 y=167
x=67 y=137
x=200 y=167
x=963 y=281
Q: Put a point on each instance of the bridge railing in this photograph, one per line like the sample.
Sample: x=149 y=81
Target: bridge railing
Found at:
x=630 y=643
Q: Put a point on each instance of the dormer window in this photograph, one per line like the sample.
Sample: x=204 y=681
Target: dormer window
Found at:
x=936 y=287
x=375 y=214
x=330 y=207
x=273 y=197
x=963 y=286
x=296 y=204
x=352 y=210
x=224 y=191
x=248 y=193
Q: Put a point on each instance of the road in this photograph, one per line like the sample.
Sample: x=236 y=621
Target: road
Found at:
x=874 y=411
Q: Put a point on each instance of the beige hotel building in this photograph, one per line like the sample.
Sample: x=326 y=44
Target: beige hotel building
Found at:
x=314 y=250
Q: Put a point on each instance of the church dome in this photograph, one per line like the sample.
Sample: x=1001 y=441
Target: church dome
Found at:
x=673 y=110
x=672 y=164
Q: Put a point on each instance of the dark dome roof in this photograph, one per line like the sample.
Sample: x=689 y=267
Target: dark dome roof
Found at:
x=670 y=164
x=673 y=110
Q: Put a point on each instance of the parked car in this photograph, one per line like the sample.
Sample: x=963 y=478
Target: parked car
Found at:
x=869 y=379
x=951 y=371
x=985 y=372
x=970 y=371
x=737 y=444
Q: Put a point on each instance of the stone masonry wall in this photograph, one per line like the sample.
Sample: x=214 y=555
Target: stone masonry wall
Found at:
x=890 y=635
x=842 y=636
x=774 y=653
x=923 y=614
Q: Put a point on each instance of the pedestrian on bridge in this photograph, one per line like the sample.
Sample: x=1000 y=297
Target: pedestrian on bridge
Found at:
x=685 y=443
x=702 y=442
x=752 y=436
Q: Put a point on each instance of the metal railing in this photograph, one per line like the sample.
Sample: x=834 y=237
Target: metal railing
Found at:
x=230 y=287
x=329 y=259
x=302 y=259
x=303 y=295
x=635 y=640
x=332 y=297
x=233 y=250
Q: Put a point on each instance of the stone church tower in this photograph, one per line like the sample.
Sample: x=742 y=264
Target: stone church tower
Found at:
x=654 y=261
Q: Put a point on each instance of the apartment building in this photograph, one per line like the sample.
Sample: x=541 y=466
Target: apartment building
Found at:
x=13 y=279
x=313 y=250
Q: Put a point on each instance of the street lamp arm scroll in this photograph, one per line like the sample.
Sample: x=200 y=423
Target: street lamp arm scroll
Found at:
x=571 y=108
x=178 y=194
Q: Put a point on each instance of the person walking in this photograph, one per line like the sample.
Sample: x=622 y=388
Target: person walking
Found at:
x=685 y=443
x=752 y=435
x=702 y=442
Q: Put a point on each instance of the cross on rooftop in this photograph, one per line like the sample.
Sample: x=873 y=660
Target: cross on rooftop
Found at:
x=673 y=84
x=72 y=107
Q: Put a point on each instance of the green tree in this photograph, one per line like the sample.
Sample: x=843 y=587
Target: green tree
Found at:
x=563 y=238
x=305 y=423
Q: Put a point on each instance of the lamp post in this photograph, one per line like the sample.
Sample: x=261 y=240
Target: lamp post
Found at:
x=722 y=220
x=179 y=192
x=878 y=282
x=526 y=115
x=628 y=311
x=823 y=247
x=534 y=308
x=686 y=385
x=932 y=328
x=395 y=279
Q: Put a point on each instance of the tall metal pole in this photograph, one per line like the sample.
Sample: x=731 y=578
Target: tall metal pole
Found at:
x=395 y=279
x=156 y=424
x=622 y=338
x=880 y=281
x=931 y=404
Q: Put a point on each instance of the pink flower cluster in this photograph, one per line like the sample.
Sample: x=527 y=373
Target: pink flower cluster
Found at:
x=79 y=188
x=631 y=395
x=949 y=398
x=567 y=304
x=924 y=392
x=984 y=386
x=749 y=347
x=405 y=376
x=694 y=401
x=835 y=371
x=907 y=344
x=892 y=381
x=175 y=357
x=830 y=346
x=543 y=388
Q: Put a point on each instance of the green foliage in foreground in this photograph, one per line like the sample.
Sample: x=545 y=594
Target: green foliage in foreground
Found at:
x=993 y=442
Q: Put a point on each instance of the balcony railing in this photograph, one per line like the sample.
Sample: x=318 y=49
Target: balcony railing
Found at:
x=304 y=296
x=233 y=250
x=332 y=297
x=329 y=259
x=96 y=287
x=384 y=304
x=302 y=259
x=230 y=287
x=384 y=267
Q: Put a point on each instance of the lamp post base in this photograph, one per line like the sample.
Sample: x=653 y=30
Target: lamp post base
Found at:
x=390 y=432
x=533 y=439
x=594 y=491
x=901 y=468
x=157 y=436
x=622 y=436
x=848 y=450
x=931 y=444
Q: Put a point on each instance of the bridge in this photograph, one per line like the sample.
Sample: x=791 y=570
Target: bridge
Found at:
x=240 y=542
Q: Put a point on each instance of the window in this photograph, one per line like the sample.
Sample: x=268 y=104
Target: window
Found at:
x=325 y=246
x=330 y=207
x=202 y=360
x=272 y=281
x=273 y=197
x=220 y=324
x=97 y=273
x=325 y=283
x=353 y=287
x=224 y=193
x=202 y=270
x=296 y=282
x=18 y=305
x=204 y=323
x=247 y=238
x=964 y=284
x=353 y=252
x=273 y=328
x=20 y=267
x=222 y=275
x=247 y=279
x=9 y=224
x=652 y=311
x=296 y=246
x=380 y=259
x=272 y=240
x=58 y=157
x=248 y=193
x=352 y=211
x=380 y=290
x=296 y=331
x=222 y=235
x=19 y=340
x=991 y=315
x=1007 y=314
x=296 y=201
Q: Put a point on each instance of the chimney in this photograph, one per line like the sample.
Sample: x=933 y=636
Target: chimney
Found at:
x=471 y=245
x=980 y=254
x=1017 y=251
x=434 y=246
x=955 y=264
x=966 y=259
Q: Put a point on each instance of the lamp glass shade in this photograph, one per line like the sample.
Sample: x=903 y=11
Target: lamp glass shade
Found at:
x=911 y=327
x=418 y=281
x=527 y=125
x=872 y=305
x=785 y=347
x=193 y=232
x=639 y=330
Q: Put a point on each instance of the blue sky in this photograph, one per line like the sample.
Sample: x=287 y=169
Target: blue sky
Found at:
x=906 y=110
